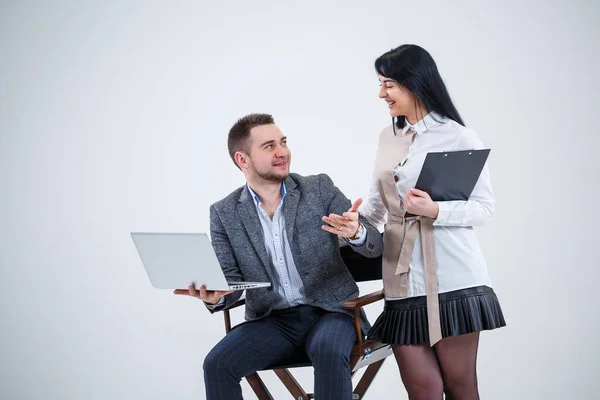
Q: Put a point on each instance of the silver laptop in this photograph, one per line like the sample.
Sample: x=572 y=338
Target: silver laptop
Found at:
x=177 y=260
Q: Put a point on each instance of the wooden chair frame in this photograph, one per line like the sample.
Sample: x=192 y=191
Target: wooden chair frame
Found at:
x=365 y=353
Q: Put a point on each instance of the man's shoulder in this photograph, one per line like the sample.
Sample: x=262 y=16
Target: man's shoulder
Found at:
x=228 y=201
x=313 y=182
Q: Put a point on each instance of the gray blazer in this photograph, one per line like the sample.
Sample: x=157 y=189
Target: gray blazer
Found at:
x=237 y=238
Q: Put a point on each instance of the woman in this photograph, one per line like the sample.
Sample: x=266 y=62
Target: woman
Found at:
x=437 y=289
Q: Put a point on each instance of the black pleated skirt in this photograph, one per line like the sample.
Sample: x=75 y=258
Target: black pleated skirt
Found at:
x=461 y=311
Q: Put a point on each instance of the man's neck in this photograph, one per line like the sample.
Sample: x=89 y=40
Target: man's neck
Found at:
x=268 y=192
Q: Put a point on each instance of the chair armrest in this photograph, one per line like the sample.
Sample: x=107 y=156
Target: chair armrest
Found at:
x=227 y=316
x=364 y=300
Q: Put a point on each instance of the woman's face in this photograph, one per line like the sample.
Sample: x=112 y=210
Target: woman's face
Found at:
x=400 y=100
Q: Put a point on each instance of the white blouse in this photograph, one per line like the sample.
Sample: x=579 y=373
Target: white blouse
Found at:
x=460 y=261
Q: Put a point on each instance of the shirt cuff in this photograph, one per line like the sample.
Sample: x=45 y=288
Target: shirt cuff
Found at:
x=443 y=213
x=213 y=306
x=360 y=240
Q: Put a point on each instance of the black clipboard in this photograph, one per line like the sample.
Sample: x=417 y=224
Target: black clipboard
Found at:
x=451 y=175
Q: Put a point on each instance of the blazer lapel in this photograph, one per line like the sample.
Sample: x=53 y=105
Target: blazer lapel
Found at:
x=290 y=208
x=247 y=211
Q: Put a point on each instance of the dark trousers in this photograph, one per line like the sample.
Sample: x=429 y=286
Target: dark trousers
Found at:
x=326 y=337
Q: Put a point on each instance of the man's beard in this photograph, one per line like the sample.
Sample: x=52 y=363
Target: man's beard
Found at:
x=271 y=176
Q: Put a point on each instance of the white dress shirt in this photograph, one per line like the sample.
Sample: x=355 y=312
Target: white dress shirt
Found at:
x=460 y=262
x=287 y=285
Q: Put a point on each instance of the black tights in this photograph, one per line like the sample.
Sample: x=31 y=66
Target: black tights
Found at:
x=448 y=367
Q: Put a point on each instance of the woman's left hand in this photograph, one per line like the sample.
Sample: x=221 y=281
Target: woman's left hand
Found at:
x=418 y=202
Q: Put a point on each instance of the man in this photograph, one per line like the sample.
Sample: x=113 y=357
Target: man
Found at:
x=271 y=230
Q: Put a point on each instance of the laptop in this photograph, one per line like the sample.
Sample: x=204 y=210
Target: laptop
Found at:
x=177 y=260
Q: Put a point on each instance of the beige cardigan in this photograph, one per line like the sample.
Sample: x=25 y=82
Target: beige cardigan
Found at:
x=400 y=233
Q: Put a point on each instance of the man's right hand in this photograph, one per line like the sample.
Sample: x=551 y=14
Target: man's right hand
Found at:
x=208 y=296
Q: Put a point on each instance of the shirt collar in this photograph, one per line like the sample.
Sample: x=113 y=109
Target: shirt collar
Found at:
x=257 y=199
x=427 y=122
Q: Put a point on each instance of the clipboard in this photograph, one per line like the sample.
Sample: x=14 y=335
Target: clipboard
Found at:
x=451 y=175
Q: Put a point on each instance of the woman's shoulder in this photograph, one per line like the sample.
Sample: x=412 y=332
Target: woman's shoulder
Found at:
x=465 y=137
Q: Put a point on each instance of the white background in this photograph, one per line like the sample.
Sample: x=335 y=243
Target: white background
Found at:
x=114 y=116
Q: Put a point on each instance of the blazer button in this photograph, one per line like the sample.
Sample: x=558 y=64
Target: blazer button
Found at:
x=395 y=178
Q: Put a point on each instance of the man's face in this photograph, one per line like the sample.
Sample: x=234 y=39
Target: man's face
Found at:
x=269 y=156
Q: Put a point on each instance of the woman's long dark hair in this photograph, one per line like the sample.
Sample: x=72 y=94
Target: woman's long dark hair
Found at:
x=413 y=67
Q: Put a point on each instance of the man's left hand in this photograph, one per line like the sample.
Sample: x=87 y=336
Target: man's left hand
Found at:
x=345 y=225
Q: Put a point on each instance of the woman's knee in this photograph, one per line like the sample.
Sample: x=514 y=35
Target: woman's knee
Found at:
x=423 y=385
x=419 y=371
x=461 y=385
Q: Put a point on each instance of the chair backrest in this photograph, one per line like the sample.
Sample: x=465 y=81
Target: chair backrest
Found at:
x=362 y=268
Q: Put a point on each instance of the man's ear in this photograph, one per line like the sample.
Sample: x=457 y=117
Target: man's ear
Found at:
x=241 y=159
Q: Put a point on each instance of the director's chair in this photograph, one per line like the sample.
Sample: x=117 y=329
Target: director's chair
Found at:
x=365 y=353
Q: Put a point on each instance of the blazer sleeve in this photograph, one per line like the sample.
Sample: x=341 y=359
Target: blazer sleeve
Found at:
x=336 y=202
x=226 y=257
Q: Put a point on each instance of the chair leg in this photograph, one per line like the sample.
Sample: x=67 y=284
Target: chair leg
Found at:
x=366 y=379
x=259 y=387
x=291 y=384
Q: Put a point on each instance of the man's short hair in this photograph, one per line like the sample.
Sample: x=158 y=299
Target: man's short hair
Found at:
x=239 y=134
